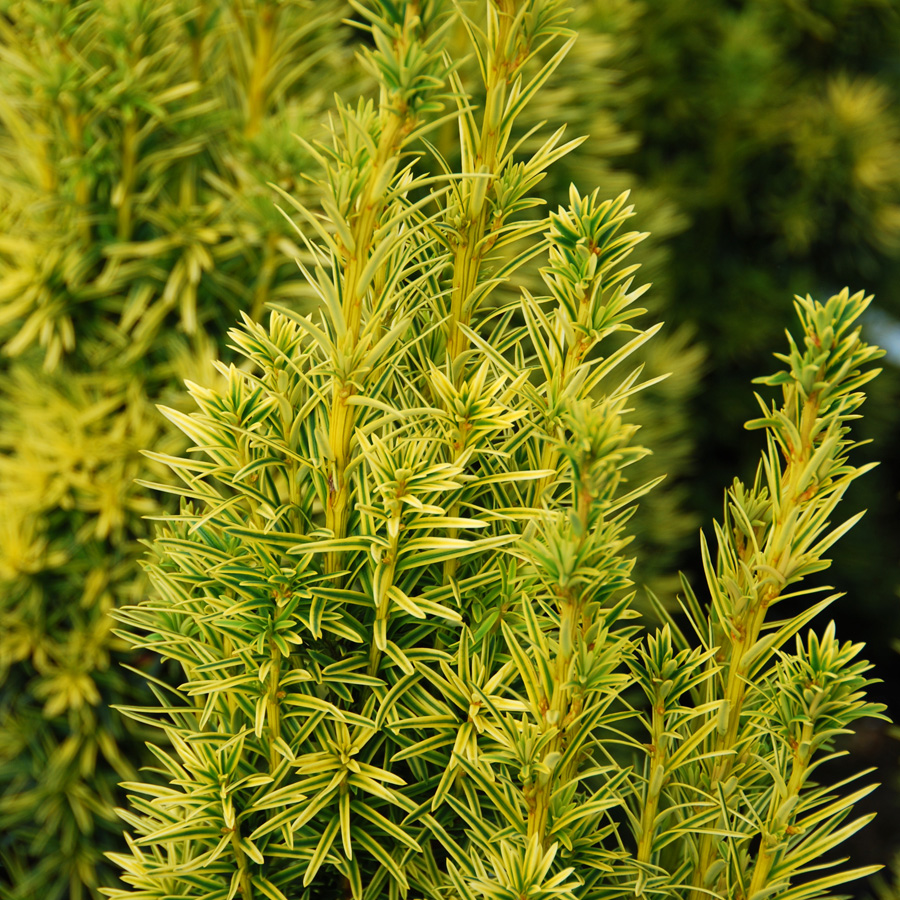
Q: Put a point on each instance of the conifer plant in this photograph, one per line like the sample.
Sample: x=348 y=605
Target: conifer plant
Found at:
x=399 y=585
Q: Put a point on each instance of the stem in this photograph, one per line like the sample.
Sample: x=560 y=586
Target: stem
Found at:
x=563 y=707
x=470 y=249
x=240 y=858
x=654 y=783
x=559 y=714
x=371 y=205
x=537 y=816
x=341 y=430
x=273 y=711
x=574 y=356
x=451 y=566
x=768 y=848
x=262 y=61
x=343 y=415
x=388 y=566
x=570 y=616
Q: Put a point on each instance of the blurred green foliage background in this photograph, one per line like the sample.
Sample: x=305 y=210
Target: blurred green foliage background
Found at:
x=761 y=142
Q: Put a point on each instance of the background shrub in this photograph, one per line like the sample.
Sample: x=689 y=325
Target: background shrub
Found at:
x=136 y=140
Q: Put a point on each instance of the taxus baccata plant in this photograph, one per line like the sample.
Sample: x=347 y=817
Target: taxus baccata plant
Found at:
x=399 y=584
x=135 y=142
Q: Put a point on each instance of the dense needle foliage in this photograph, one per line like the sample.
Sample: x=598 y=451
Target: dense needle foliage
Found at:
x=398 y=587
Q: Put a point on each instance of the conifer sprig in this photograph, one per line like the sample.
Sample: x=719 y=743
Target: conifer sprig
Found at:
x=373 y=239
x=777 y=532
